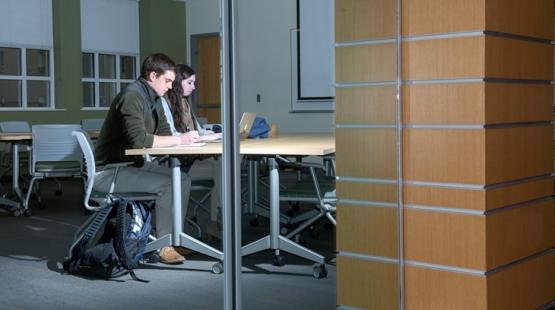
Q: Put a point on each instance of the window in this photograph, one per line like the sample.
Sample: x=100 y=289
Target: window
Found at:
x=104 y=75
x=26 y=79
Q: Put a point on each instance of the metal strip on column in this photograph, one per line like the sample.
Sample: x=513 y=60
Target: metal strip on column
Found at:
x=231 y=187
x=399 y=110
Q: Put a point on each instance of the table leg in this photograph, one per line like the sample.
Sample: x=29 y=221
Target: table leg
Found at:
x=275 y=241
x=178 y=237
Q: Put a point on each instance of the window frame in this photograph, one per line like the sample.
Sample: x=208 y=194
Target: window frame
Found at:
x=96 y=80
x=23 y=78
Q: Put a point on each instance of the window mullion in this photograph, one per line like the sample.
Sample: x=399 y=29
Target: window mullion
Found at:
x=96 y=83
x=24 y=78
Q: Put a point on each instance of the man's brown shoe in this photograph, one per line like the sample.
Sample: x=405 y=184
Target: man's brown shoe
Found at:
x=168 y=255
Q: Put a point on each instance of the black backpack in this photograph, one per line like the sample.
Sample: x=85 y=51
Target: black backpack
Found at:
x=112 y=242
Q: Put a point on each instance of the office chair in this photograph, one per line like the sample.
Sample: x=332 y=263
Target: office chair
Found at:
x=319 y=191
x=98 y=198
x=24 y=148
x=89 y=124
x=54 y=154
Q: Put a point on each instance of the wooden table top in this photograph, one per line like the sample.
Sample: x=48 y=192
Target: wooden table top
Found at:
x=285 y=144
x=22 y=136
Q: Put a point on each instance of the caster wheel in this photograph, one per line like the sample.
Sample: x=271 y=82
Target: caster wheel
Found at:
x=218 y=268
x=283 y=231
x=153 y=258
x=16 y=213
x=254 y=222
x=279 y=260
x=319 y=271
x=58 y=192
x=27 y=212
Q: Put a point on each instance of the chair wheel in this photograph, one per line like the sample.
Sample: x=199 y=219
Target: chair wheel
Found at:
x=320 y=271
x=27 y=212
x=279 y=260
x=217 y=268
x=17 y=213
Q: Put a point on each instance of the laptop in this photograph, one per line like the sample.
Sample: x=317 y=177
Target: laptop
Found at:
x=246 y=123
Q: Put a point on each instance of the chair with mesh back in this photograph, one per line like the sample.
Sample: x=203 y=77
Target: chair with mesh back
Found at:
x=55 y=154
x=23 y=148
x=319 y=190
x=98 y=198
x=90 y=124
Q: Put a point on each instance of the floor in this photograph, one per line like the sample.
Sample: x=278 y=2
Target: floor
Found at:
x=33 y=248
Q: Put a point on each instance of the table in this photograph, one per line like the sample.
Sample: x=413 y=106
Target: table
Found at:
x=14 y=139
x=300 y=144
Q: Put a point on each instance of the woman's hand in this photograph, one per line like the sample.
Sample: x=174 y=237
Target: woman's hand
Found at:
x=210 y=137
x=189 y=137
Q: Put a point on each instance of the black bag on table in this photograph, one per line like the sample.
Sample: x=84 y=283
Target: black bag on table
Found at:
x=113 y=242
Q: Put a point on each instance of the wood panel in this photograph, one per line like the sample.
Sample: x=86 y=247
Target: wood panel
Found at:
x=363 y=20
x=443 y=103
x=449 y=155
x=517 y=193
x=213 y=115
x=523 y=286
x=367 y=230
x=365 y=63
x=366 y=284
x=480 y=200
x=427 y=289
x=508 y=103
x=450 y=58
x=367 y=191
x=445 y=197
x=515 y=153
x=366 y=152
x=364 y=105
x=527 y=18
x=519 y=232
x=518 y=59
x=476 y=103
x=448 y=239
x=441 y=16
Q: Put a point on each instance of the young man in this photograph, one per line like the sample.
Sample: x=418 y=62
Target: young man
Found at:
x=136 y=120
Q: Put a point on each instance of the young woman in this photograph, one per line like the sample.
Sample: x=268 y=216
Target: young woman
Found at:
x=182 y=118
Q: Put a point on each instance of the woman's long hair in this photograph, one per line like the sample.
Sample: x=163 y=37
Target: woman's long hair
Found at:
x=182 y=72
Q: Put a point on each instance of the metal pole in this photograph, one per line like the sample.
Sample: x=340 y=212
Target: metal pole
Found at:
x=231 y=173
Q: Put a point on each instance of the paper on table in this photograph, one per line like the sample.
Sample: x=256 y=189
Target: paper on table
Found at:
x=195 y=144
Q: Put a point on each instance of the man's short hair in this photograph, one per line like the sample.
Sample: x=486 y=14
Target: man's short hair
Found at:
x=158 y=63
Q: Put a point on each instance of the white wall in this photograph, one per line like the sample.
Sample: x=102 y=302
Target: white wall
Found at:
x=264 y=59
x=203 y=16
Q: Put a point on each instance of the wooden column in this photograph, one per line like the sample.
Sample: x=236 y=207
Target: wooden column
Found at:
x=477 y=156
x=366 y=144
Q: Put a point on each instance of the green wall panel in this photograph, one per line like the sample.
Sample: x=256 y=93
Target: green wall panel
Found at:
x=163 y=29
